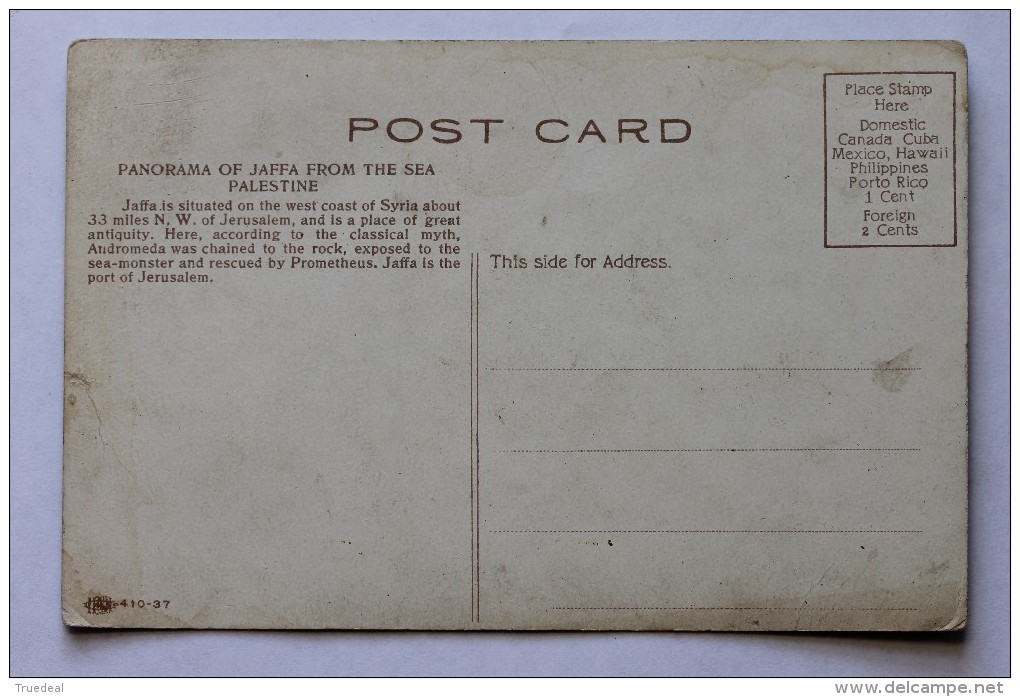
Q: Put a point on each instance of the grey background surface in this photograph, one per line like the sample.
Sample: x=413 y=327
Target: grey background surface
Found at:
x=41 y=646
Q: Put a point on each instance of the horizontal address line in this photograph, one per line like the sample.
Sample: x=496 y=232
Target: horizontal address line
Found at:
x=783 y=370
x=685 y=532
x=796 y=609
x=711 y=450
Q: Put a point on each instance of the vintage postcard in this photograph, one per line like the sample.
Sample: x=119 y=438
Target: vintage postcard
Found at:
x=516 y=335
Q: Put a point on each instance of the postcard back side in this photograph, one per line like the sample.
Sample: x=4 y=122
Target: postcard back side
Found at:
x=498 y=335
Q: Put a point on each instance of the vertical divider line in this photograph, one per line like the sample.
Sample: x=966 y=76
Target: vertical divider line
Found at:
x=478 y=467
x=471 y=434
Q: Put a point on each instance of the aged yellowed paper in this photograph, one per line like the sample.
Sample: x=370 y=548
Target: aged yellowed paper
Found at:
x=516 y=335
